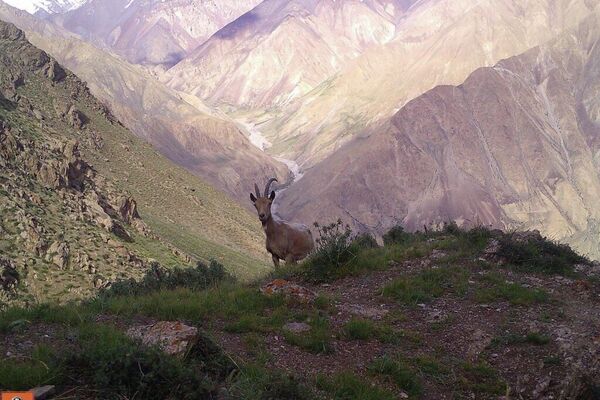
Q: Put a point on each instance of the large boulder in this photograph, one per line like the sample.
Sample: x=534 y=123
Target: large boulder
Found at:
x=172 y=337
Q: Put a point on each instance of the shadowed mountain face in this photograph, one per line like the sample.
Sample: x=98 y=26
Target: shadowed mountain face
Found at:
x=282 y=49
x=438 y=42
x=208 y=144
x=516 y=145
x=152 y=32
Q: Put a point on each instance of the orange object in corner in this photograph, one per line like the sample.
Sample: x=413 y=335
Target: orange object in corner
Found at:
x=17 y=396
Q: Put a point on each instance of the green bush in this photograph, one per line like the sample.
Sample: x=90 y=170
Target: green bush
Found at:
x=538 y=254
x=334 y=250
x=157 y=278
x=114 y=364
x=365 y=241
x=396 y=235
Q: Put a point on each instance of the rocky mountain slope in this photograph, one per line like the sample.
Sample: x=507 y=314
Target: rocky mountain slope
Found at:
x=152 y=32
x=439 y=42
x=84 y=202
x=282 y=49
x=514 y=146
x=192 y=135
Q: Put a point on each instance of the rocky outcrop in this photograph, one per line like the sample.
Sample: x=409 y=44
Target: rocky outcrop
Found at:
x=76 y=118
x=55 y=72
x=58 y=254
x=9 y=276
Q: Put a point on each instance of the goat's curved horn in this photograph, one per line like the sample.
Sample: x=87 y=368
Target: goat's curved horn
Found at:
x=257 y=190
x=268 y=187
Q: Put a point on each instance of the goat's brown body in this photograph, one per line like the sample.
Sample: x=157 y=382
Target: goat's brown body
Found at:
x=287 y=241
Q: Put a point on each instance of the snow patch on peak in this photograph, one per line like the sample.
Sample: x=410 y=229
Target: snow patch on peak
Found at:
x=49 y=6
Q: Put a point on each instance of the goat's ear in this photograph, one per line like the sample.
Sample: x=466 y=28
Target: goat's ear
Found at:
x=272 y=196
x=252 y=197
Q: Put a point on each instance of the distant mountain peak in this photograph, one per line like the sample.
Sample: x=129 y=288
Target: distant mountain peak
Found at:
x=46 y=6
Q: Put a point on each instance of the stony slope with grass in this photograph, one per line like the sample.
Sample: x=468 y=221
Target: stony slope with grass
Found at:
x=439 y=315
x=84 y=202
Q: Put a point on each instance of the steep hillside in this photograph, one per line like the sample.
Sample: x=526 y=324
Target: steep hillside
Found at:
x=282 y=49
x=152 y=32
x=439 y=42
x=207 y=144
x=84 y=202
x=514 y=146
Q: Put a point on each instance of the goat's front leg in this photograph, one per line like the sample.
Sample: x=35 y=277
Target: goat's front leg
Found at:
x=276 y=261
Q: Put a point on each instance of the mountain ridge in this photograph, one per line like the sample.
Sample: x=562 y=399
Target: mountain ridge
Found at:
x=514 y=146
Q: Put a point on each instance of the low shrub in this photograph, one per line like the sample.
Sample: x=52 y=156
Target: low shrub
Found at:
x=157 y=278
x=538 y=254
x=334 y=249
x=397 y=235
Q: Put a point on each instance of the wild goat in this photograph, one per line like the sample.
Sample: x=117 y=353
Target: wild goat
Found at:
x=285 y=241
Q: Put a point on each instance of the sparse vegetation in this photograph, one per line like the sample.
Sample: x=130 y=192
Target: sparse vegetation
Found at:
x=347 y=386
x=427 y=285
x=497 y=289
x=399 y=373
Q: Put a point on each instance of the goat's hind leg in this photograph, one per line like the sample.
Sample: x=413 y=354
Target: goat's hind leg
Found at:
x=275 y=261
x=289 y=260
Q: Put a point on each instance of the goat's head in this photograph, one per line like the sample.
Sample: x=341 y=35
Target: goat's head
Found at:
x=263 y=203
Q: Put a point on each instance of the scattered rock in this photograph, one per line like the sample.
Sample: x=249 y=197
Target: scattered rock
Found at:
x=174 y=338
x=364 y=311
x=541 y=388
x=479 y=341
x=288 y=289
x=296 y=327
x=43 y=392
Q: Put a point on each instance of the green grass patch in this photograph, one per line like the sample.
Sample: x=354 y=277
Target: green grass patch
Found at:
x=397 y=372
x=497 y=289
x=481 y=379
x=360 y=329
x=42 y=368
x=428 y=285
x=257 y=383
x=347 y=386
x=364 y=329
x=317 y=340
